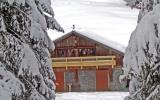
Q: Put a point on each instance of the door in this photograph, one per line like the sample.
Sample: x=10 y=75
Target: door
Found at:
x=59 y=81
x=102 y=78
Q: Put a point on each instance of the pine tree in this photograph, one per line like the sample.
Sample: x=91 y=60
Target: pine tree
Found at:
x=25 y=63
x=142 y=56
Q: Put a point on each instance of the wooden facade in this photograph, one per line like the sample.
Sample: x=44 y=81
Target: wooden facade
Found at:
x=81 y=63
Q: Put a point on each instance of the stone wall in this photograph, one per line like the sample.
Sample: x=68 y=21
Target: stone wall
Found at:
x=69 y=77
x=70 y=81
x=87 y=80
x=115 y=85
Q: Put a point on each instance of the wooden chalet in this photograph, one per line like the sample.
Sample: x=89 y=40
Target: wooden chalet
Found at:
x=82 y=63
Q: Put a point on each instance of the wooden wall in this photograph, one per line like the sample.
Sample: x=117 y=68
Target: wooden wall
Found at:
x=82 y=80
x=75 y=46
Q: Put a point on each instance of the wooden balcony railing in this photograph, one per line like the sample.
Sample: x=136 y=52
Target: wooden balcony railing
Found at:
x=91 y=61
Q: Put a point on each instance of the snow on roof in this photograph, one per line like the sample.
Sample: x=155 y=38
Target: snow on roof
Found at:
x=97 y=38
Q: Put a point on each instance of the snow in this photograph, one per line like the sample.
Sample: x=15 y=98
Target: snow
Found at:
x=9 y=85
x=91 y=96
x=47 y=14
x=141 y=59
x=102 y=40
x=25 y=65
x=12 y=1
x=31 y=58
x=110 y=19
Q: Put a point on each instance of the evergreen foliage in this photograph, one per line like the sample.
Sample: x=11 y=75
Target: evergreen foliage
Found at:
x=25 y=64
x=142 y=56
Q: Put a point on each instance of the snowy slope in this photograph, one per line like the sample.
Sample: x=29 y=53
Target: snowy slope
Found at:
x=107 y=18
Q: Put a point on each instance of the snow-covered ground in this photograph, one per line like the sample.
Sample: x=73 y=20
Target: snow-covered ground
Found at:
x=110 y=19
x=91 y=96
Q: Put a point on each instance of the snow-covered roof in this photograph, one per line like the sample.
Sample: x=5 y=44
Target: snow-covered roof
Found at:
x=97 y=38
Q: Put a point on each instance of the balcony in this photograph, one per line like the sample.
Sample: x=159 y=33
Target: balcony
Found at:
x=81 y=62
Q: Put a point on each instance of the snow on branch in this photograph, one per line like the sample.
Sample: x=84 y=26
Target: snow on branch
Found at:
x=142 y=56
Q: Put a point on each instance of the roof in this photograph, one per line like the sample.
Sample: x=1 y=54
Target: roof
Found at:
x=96 y=38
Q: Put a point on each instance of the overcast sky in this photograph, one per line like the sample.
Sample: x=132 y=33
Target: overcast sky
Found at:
x=110 y=19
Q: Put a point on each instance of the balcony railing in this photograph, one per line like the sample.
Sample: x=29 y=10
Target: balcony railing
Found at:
x=91 y=61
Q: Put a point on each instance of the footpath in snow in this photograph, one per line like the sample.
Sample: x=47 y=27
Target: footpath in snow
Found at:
x=91 y=96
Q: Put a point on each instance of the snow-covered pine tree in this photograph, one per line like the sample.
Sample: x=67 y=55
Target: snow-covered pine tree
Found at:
x=142 y=56
x=133 y=3
x=25 y=64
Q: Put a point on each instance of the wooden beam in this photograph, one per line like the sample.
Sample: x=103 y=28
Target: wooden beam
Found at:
x=81 y=62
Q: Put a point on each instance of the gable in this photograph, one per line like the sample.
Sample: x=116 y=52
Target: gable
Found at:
x=72 y=40
x=73 y=37
x=77 y=45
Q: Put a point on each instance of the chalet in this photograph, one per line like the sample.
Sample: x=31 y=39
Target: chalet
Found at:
x=85 y=62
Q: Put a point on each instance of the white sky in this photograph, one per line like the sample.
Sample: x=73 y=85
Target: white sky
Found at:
x=110 y=19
